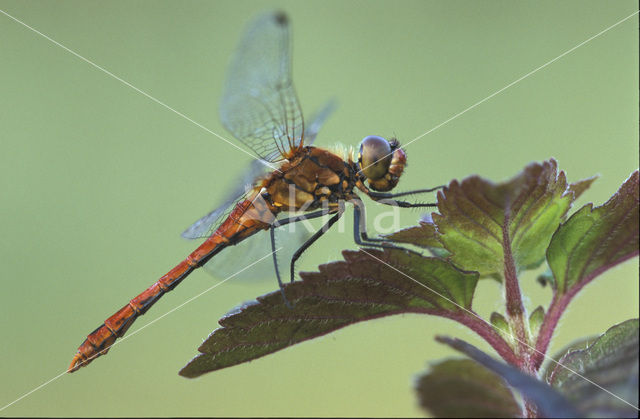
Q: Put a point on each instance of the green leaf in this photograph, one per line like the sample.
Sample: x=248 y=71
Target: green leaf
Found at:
x=535 y=321
x=580 y=186
x=578 y=344
x=368 y=284
x=611 y=362
x=594 y=240
x=464 y=388
x=479 y=221
x=501 y=325
x=424 y=235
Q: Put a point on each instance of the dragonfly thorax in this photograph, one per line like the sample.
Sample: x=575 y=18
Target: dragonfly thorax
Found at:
x=312 y=178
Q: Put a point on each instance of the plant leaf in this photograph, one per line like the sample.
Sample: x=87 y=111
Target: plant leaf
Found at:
x=464 y=388
x=593 y=240
x=578 y=344
x=423 y=235
x=366 y=285
x=580 y=186
x=501 y=325
x=535 y=321
x=611 y=362
x=550 y=403
x=479 y=218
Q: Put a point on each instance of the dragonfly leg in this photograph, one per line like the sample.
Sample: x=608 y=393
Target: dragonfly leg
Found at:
x=275 y=265
x=383 y=195
x=312 y=239
x=389 y=198
x=404 y=204
x=360 y=230
x=283 y=222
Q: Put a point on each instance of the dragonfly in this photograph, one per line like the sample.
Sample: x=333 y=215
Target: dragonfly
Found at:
x=261 y=109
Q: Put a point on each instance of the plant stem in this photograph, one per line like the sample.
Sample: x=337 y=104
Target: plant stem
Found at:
x=514 y=305
x=556 y=308
x=558 y=305
x=530 y=409
x=488 y=333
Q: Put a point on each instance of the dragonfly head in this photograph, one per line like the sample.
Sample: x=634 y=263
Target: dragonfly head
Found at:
x=381 y=162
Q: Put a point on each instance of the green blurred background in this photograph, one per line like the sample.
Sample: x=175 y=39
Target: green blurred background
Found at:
x=97 y=181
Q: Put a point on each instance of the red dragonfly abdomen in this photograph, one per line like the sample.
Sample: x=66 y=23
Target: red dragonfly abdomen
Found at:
x=247 y=218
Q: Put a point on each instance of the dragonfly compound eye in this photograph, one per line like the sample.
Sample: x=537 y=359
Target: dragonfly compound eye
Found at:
x=375 y=157
x=382 y=162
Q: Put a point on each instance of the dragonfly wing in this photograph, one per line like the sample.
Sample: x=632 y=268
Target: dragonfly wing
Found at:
x=259 y=104
x=317 y=120
x=201 y=228
x=206 y=225
x=234 y=261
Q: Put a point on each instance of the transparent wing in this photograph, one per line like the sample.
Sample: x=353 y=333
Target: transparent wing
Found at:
x=235 y=260
x=317 y=120
x=259 y=104
x=206 y=225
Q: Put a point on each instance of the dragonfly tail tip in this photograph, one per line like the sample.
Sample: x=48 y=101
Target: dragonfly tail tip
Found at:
x=76 y=363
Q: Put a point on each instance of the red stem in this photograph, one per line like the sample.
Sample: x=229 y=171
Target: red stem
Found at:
x=558 y=306
x=487 y=332
x=515 y=307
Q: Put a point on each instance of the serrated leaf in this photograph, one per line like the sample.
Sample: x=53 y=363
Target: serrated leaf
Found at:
x=611 y=362
x=580 y=186
x=464 y=388
x=423 y=235
x=593 y=240
x=550 y=403
x=578 y=344
x=368 y=284
x=479 y=220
